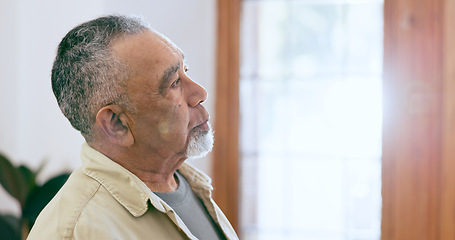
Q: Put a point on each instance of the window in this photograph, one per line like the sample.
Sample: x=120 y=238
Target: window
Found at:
x=311 y=110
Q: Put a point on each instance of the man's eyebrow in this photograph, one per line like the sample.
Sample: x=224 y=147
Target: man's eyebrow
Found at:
x=167 y=76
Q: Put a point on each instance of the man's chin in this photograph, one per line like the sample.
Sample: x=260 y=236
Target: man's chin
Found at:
x=200 y=144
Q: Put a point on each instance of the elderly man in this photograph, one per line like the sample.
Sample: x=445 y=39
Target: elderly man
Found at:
x=125 y=88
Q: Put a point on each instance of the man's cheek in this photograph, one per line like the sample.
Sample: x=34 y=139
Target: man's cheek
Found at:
x=163 y=128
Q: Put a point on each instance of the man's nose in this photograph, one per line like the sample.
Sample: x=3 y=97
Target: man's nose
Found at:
x=196 y=94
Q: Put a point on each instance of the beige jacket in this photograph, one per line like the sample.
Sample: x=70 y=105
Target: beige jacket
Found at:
x=103 y=200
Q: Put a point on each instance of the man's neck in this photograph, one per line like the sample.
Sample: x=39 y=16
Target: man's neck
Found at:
x=160 y=183
x=157 y=174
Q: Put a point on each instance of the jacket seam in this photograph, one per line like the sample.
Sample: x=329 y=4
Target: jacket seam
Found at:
x=78 y=212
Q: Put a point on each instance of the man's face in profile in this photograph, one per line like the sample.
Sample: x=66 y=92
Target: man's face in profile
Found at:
x=167 y=115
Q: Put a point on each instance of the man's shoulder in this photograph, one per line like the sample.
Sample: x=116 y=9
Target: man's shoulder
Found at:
x=63 y=211
x=86 y=208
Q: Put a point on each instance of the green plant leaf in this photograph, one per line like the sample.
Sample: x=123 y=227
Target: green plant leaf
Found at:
x=40 y=197
x=10 y=227
x=29 y=177
x=40 y=167
x=12 y=180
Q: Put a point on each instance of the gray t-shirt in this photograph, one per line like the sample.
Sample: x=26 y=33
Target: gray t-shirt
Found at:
x=191 y=210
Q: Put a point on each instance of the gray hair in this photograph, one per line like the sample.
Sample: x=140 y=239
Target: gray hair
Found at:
x=86 y=76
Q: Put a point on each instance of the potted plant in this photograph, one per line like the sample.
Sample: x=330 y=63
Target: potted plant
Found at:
x=20 y=183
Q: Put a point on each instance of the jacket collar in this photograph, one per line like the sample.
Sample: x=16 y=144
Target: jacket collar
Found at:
x=127 y=188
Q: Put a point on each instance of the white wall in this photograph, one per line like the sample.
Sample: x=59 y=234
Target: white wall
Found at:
x=32 y=128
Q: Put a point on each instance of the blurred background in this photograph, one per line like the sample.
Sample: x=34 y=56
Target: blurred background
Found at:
x=333 y=118
x=311 y=119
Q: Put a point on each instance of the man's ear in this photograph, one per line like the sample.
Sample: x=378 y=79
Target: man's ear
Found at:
x=114 y=125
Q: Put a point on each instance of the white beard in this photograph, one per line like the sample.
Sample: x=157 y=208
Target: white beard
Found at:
x=200 y=144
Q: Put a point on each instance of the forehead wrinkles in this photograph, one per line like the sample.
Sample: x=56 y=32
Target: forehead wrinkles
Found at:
x=140 y=52
x=147 y=56
x=136 y=51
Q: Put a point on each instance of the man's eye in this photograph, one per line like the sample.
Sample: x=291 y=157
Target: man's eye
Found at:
x=187 y=69
x=175 y=83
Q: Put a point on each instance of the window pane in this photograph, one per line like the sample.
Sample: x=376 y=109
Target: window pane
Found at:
x=311 y=110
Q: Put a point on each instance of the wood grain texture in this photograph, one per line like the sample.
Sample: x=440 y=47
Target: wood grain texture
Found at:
x=226 y=149
x=447 y=210
x=419 y=122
